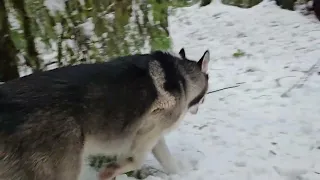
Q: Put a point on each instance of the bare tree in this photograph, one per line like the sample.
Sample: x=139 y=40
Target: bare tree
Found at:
x=32 y=58
x=8 y=58
x=205 y=2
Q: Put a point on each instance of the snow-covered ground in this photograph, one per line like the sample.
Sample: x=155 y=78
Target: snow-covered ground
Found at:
x=251 y=132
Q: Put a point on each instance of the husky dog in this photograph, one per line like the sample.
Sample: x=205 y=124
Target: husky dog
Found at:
x=51 y=121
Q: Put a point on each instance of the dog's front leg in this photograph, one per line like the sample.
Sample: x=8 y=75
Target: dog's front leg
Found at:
x=162 y=154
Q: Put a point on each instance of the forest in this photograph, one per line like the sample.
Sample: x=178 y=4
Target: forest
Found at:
x=38 y=35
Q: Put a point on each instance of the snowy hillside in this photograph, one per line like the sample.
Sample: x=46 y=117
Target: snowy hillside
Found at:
x=252 y=132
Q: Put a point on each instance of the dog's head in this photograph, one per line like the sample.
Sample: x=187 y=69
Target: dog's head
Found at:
x=197 y=79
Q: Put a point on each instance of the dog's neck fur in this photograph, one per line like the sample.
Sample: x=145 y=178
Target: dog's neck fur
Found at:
x=192 y=83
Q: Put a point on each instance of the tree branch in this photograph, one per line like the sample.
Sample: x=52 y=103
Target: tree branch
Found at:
x=238 y=84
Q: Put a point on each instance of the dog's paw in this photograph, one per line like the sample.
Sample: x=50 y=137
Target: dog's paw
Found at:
x=109 y=172
x=146 y=171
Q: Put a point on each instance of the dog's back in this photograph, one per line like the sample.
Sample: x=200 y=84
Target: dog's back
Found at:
x=47 y=118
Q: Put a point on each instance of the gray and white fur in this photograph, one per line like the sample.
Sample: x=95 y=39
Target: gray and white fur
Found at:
x=51 y=121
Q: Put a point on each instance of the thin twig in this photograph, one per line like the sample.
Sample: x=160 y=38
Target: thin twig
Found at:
x=238 y=84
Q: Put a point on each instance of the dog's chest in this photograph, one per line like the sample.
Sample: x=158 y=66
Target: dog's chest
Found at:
x=175 y=123
x=93 y=146
x=150 y=133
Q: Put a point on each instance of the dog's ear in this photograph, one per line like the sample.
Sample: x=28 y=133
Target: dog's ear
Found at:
x=204 y=61
x=182 y=53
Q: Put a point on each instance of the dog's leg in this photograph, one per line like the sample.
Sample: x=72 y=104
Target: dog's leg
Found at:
x=162 y=154
x=122 y=166
x=160 y=151
x=141 y=146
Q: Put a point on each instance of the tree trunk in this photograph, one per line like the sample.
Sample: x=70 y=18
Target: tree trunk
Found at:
x=8 y=58
x=286 y=4
x=32 y=58
x=316 y=8
x=205 y=2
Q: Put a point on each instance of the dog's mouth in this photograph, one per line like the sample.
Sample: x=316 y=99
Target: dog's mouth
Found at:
x=194 y=109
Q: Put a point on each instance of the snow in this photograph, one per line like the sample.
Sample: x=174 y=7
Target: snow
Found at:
x=249 y=132
x=55 y=5
x=88 y=27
